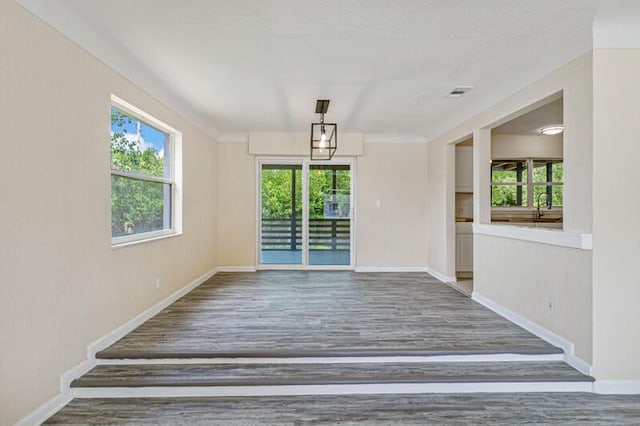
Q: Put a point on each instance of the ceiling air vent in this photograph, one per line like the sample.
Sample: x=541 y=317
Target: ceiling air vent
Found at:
x=459 y=91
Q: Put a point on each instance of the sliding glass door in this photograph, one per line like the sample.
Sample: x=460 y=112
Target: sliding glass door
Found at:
x=329 y=224
x=281 y=211
x=305 y=214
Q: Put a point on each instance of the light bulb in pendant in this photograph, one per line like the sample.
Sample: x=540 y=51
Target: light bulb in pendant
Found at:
x=323 y=139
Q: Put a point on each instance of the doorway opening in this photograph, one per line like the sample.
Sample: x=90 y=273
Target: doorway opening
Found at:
x=464 y=215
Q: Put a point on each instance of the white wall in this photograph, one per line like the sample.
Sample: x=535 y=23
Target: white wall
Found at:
x=499 y=263
x=62 y=284
x=616 y=235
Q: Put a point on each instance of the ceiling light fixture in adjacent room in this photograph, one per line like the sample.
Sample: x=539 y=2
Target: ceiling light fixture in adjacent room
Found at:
x=556 y=129
x=324 y=136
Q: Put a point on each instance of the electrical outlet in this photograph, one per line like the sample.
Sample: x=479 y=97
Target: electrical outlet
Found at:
x=551 y=305
x=158 y=283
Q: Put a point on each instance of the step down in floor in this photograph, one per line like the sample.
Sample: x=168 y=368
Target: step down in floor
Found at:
x=157 y=380
x=323 y=353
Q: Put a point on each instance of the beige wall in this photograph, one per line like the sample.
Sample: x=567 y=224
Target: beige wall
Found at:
x=616 y=236
x=508 y=147
x=290 y=143
x=236 y=205
x=490 y=277
x=441 y=208
x=62 y=285
x=394 y=234
x=523 y=276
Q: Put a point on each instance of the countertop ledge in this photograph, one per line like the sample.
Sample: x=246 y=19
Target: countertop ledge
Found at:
x=555 y=237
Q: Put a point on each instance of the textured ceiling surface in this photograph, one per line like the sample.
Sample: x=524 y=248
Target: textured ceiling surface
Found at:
x=233 y=66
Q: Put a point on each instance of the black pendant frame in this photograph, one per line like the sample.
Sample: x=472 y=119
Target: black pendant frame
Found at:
x=323 y=150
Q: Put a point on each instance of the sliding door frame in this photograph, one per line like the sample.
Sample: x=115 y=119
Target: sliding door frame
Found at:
x=305 y=163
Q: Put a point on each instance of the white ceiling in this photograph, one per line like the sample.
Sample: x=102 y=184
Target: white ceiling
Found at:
x=531 y=122
x=233 y=66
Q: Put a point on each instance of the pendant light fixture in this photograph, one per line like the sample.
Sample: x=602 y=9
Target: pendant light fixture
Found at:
x=324 y=136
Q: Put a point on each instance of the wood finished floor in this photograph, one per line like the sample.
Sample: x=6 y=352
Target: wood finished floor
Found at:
x=293 y=312
x=287 y=374
x=432 y=409
x=271 y=311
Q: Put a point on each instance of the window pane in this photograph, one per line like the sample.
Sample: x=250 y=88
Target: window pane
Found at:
x=542 y=194
x=558 y=171
x=281 y=189
x=557 y=195
x=138 y=147
x=508 y=196
x=139 y=206
x=508 y=171
x=329 y=213
x=547 y=171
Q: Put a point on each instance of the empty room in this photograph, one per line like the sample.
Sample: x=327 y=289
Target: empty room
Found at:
x=330 y=212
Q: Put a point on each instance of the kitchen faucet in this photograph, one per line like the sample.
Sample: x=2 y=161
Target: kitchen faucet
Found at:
x=538 y=212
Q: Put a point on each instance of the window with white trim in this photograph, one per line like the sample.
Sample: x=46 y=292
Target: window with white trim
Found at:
x=527 y=183
x=145 y=177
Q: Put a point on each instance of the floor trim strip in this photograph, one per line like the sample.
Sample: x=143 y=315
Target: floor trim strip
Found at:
x=334 y=389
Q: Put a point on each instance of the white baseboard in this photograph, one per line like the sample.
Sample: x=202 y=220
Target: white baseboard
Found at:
x=547 y=335
x=46 y=410
x=390 y=269
x=237 y=269
x=52 y=406
x=439 y=276
x=75 y=372
x=109 y=339
x=619 y=387
x=577 y=363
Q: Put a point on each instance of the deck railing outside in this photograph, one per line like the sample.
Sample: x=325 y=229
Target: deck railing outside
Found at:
x=324 y=234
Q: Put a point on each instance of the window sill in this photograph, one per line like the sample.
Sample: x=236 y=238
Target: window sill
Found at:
x=144 y=239
x=525 y=209
x=555 y=237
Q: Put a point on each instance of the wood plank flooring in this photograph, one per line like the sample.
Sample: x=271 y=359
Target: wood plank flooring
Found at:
x=294 y=374
x=431 y=409
x=293 y=311
x=274 y=315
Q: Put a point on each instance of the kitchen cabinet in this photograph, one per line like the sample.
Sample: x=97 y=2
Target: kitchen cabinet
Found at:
x=464 y=247
x=464 y=169
x=464 y=256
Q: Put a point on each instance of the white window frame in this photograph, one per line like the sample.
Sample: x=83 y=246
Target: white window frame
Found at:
x=174 y=180
x=528 y=186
